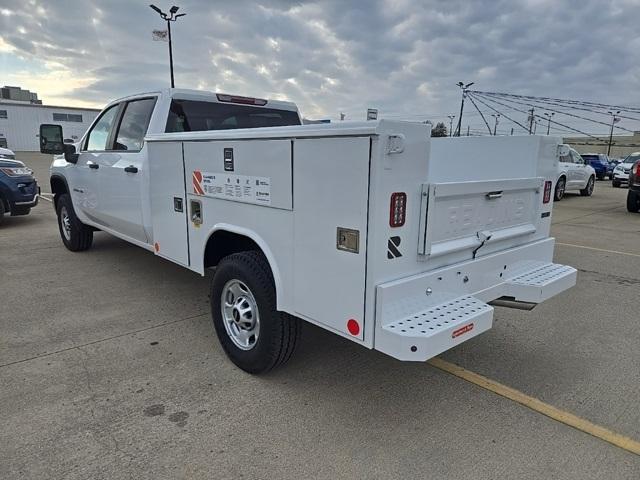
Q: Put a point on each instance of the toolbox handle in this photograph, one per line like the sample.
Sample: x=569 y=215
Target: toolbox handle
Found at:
x=494 y=195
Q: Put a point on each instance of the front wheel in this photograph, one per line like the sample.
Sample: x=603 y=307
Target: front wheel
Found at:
x=615 y=184
x=560 y=188
x=588 y=190
x=253 y=333
x=633 y=201
x=76 y=236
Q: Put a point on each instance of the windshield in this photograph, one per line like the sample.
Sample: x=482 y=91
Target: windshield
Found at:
x=193 y=116
x=633 y=158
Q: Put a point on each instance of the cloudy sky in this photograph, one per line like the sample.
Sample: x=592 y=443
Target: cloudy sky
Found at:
x=403 y=57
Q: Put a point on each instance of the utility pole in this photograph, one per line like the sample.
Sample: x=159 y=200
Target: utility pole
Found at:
x=464 y=88
x=172 y=17
x=549 y=115
x=451 y=117
x=614 y=119
x=531 y=119
x=496 y=116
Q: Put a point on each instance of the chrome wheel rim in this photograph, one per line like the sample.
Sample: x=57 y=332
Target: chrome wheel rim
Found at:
x=65 y=223
x=590 y=186
x=240 y=314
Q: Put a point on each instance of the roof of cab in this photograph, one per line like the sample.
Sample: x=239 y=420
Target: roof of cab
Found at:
x=185 y=93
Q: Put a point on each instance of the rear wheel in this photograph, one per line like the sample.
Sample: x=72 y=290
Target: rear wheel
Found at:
x=76 y=236
x=615 y=184
x=588 y=190
x=633 y=201
x=254 y=335
x=561 y=185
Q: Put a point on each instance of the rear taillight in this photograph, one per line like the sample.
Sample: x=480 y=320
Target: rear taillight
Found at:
x=397 y=209
x=547 y=192
x=636 y=169
x=238 y=99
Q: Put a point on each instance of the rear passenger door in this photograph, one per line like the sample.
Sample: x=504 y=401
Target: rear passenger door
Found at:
x=121 y=173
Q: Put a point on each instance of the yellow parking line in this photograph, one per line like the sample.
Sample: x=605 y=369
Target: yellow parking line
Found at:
x=626 y=443
x=598 y=249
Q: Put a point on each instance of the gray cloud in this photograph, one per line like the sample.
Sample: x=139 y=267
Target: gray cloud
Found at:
x=401 y=56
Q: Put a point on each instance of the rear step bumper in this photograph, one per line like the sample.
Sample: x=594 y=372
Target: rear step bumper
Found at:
x=422 y=316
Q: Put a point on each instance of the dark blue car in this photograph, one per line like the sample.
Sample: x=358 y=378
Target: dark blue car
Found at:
x=599 y=162
x=18 y=188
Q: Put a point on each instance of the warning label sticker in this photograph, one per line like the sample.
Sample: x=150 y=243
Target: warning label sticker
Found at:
x=242 y=188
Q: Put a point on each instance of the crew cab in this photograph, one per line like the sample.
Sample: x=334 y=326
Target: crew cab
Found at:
x=18 y=187
x=366 y=229
x=573 y=174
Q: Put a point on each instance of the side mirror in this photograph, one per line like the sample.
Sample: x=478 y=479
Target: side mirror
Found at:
x=51 y=139
x=70 y=154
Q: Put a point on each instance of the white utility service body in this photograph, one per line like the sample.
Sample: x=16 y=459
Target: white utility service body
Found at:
x=325 y=205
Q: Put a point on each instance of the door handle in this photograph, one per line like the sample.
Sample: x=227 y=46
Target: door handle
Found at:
x=493 y=195
x=131 y=169
x=93 y=165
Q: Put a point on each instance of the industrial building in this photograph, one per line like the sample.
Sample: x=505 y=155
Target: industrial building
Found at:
x=21 y=114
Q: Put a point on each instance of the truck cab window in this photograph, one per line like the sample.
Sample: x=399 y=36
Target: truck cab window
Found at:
x=193 y=116
x=134 y=123
x=99 y=134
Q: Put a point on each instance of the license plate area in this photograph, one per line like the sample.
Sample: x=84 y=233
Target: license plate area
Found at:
x=466 y=215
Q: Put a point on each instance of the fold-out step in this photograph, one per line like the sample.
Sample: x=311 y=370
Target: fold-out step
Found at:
x=540 y=282
x=426 y=333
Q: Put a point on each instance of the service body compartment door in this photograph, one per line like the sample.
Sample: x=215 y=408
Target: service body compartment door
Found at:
x=330 y=185
x=168 y=201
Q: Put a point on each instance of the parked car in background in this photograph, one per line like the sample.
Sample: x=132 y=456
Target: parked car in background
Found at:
x=622 y=170
x=7 y=154
x=574 y=174
x=599 y=162
x=18 y=188
x=633 y=195
x=613 y=163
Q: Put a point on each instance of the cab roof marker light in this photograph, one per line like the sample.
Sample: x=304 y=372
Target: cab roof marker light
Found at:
x=222 y=97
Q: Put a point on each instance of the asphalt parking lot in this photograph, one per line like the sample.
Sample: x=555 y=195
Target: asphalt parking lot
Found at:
x=109 y=368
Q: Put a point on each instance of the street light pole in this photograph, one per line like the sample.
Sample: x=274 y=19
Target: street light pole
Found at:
x=464 y=88
x=451 y=117
x=549 y=115
x=172 y=17
x=614 y=119
x=495 y=125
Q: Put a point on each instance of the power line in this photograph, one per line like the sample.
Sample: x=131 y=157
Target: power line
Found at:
x=504 y=115
x=506 y=99
x=538 y=116
x=484 y=119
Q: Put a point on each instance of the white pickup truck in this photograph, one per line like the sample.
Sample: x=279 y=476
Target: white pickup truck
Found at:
x=370 y=230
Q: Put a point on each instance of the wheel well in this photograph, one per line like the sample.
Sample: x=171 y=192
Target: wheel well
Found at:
x=4 y=202
x=562 y=176
x=58 y=187
x=222 y=243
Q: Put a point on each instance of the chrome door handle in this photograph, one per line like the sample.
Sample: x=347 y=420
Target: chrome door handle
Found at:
x=493 y=195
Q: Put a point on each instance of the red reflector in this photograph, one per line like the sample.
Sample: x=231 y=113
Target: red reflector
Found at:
x=547 y=192
x=397 y=209
x=353 y=327
x=238 y=99
x=462 y=330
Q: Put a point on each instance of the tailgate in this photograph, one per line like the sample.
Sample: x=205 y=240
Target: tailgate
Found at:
x=458 y=216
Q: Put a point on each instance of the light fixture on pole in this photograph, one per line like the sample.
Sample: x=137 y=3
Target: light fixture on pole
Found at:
x=172 y=17
x=451 y=117
x=549 y=115
x=496 y=116
x=614 y=119
x=464 y=88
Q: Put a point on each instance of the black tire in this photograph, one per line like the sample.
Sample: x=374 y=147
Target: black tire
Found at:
x=588 y=190
x=2 y=210
x=633 y=201
x=615 y=184
x=278 y=332
x=21 y=211
x=561 y=186
x=76 y=236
